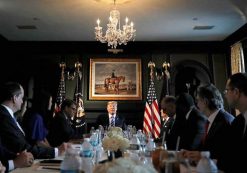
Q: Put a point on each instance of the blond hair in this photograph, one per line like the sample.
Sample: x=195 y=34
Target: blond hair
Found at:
x=112 y=102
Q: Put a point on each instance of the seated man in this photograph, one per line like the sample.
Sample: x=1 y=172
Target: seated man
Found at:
x=61 y=127
x=11 y=133
x=111 y=118
x=168 y=111
x=10 y=160
x=210 y=102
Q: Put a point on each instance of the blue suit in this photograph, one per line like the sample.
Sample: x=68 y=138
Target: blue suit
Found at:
x=103 y=120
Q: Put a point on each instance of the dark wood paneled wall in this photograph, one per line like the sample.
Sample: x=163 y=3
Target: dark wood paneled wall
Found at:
x=40 y=61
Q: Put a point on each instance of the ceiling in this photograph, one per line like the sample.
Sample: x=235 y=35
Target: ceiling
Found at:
x=154 y=20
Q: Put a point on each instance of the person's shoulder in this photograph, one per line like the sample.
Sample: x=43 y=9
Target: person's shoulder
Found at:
x=198 y=113
x=3 y=110
x=103 y=115
x=120 y=116
x=199 y=116
x=226 y=115
x=59 y=116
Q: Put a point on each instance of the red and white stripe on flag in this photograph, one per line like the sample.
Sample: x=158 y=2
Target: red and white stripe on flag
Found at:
x=147 y=122
x=151 y=123
x=156 y=116
x=152 y=112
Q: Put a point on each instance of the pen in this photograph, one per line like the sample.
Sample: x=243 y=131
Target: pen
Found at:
x=52 y=168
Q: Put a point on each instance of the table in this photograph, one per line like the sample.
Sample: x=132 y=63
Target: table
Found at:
x=35 y=168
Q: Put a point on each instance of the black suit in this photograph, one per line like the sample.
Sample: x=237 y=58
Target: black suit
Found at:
x=166 y=127
x=217 y=137
x=192 y=130
x=5 y=155
x=237 y=148
x=60 y=130
x=103 y=120
x=14 y=140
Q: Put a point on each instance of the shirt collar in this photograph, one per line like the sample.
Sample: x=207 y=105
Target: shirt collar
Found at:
x=188 y=113
x=9 y=110
x=245 y=117
x=212 y=116
x=112 y=115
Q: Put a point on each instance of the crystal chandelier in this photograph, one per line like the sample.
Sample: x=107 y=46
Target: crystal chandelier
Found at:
x=114 y=35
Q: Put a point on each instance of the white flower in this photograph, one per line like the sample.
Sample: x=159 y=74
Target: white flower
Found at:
x=114 y=140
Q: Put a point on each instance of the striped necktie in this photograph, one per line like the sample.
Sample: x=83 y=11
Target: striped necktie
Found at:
x=112 y=123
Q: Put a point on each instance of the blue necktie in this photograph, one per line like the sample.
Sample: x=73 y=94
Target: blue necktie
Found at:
x=112 y=121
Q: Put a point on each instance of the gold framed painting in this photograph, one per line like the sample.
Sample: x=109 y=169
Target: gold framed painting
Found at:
x=115 y=79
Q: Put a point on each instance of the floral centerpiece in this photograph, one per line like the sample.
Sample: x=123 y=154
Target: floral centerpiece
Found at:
x=114 y=141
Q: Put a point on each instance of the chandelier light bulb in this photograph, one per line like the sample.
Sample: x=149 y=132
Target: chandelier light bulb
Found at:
x=126 y=20
x=98 y=22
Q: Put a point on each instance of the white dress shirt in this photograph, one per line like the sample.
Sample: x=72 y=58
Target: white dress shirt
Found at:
x=110 y=118
x=211 y=118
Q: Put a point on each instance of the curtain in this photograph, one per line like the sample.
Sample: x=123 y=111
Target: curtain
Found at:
x=237 y=58
x=237 y=61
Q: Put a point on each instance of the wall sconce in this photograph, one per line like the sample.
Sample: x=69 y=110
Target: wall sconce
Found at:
x=166 y=68
x=76 y=72
x=159 y=72
x=151 y=65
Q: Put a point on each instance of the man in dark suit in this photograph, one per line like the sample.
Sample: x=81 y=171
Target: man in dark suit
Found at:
x=236 y=96
x=61 y=127
x=12 y=135
x=210 y=102
x=111 y=118
x=10 y=160
x=190 y=123
x=168 y=111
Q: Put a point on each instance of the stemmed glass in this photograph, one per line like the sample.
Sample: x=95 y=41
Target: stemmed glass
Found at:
x=142 y=139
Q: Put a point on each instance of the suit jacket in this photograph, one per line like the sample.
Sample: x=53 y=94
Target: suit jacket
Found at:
x=103 y=120
x=5 y=155
x=217 y=137
x=61 y=130
x=237 y=146
x=14 y=140
x=166 y=127
x=192 y=130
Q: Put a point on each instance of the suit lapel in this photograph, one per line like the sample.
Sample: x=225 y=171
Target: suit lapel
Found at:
x=11 y=121
x=214 y=126
x=116 y=120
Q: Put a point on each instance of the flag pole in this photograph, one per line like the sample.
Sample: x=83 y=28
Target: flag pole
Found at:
x=151 y=65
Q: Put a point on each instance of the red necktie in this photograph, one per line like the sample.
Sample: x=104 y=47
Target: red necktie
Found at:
x=206 y=132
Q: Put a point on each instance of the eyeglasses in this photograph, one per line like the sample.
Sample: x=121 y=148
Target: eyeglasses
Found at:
x=226 y=90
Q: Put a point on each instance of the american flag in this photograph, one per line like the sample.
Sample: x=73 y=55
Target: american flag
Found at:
x=152 y=123
x=60 y=94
